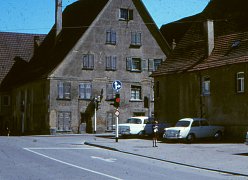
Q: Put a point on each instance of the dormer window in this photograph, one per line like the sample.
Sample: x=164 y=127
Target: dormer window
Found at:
x=125 y=14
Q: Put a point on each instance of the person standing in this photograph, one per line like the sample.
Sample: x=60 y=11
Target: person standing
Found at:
x=155 y=134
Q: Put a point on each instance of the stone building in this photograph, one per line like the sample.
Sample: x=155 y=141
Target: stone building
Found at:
x=99 y=42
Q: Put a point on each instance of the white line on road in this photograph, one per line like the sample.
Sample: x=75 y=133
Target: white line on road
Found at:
x=72 y=165
x=103 y=159
x=58 y=148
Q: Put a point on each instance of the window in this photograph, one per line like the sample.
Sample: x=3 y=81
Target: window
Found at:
x=88 y=61
x=134 y=64
x=154 y=64
x=204 y=123
x=5 y=100
x=126 y=14
x=240 y=82
x=110 y=93
x=206 y=86
x=136 y=39
x=195 y=124
x=64 y=90
x=85 y=90
x=111 y=37
x=135 y=92
x=111 y=63
x=64 y=121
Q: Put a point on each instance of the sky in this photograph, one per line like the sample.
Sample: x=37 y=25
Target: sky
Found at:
x=38 y=16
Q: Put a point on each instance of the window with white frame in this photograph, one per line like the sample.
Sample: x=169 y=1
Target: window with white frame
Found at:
x=111 y=37
x=206 y=85
x=240 y=82
x=134 y=64
x=64 y=121
x=135 y=92
x=136 y=38
x=64 y=90
x=110 y=93
x=88 y=61
x=125 y=14
x=153 y=64
x=85 y=90
x=111 y=63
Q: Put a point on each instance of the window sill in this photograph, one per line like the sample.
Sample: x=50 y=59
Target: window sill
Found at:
x=63 y=99
x=88 y=69
x=136 y=46
x=135 y=100
x=111 y=43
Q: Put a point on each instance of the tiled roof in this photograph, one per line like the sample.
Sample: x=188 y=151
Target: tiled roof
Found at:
x=230 y=25
x=15 y=45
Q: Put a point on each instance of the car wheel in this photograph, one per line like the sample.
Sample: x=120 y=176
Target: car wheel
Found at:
x=218 y=136
x=190 y=138
x=141 y=133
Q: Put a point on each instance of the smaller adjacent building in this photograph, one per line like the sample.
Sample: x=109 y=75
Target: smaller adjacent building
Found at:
x=206 y=74
x=15 y=49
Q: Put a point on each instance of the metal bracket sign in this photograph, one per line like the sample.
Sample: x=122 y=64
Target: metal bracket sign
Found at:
x=117 y=85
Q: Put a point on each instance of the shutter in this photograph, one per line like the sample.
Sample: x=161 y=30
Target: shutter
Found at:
x=108 y=36
x=88 y=91
x=130 y=14
x=138 y=38
x=129 y=64
x=91 y=61
x=151 y=65
x=67 y=121
x=67 y=90
x=107 y=62
x=113 y=38
x=109 y=92
x=144 y=64
x=133 y=38
x=60 y=90
x=81 y=91
x=114 y=61
x=60 y=124
x=85 y=61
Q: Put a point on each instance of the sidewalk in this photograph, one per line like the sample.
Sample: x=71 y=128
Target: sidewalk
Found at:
x=226 y=158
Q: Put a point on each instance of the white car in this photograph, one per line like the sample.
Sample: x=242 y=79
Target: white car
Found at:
x=191 y=128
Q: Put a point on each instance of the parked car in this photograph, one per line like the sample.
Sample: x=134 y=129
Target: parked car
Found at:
x=139 y=125
x=190 y=129
x=246 y=138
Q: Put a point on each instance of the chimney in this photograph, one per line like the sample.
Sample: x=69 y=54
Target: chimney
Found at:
x=36 y=43
x=58 y=16
x=209 y=32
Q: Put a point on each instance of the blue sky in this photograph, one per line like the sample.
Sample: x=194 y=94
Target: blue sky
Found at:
x=37 y=16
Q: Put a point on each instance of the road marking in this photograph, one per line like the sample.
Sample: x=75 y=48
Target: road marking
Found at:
x=72 y=165
x=103 y=159
x=59 y=148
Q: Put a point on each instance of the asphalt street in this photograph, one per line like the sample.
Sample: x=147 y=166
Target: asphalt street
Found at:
x=68 y=157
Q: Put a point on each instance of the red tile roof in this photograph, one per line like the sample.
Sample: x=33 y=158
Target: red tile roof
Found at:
x=15 y=45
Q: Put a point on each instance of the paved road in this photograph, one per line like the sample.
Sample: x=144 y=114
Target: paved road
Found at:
x=68 y=158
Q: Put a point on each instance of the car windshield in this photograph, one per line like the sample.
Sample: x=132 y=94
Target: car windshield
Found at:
x=182 y=123
x=134 y=121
